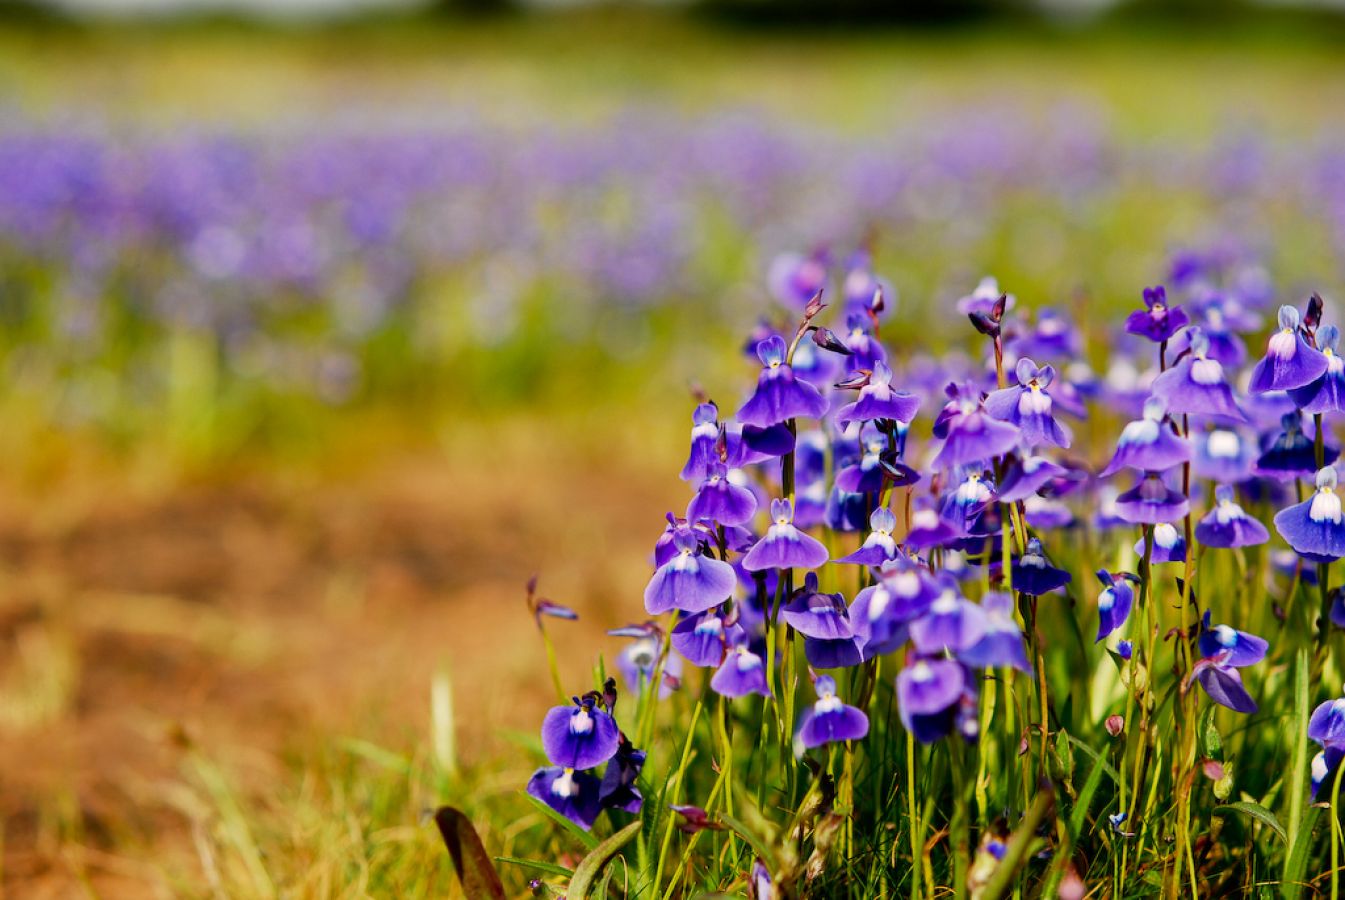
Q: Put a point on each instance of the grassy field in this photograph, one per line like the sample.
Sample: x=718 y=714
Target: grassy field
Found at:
x=253 y=675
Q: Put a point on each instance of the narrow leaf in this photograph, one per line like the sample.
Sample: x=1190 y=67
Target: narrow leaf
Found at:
x=548 y=868
x=751 y=837
x=588 y=869
x=1258 y=812
x=579 y=834
x=478 y=876
x=1291 y=887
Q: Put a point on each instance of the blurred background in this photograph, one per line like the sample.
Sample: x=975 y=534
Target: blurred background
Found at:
x=326 y=323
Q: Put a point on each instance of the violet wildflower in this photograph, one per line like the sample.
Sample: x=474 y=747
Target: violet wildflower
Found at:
x=1166 y=545
x=704 y=442
x=618 y=790
x=1115 y=601
x=829 y=720
x=1223 y=455
x=1290 y=361
x=694 y=819
x=879 y=546
x=742 y=672
x=701 y=638
x=1149 y=444
x=579 y=737
x=1326 y=725
x=1002 y=643
x=1292 y=455
x=1314 y=528
x=1327 y=393
x=1222 y=682
x=824 y=621
x=1243 y=649
x=690 y=581
x=720 y=500
x=1033 y=575
x=928 y=692
x=1151 y=501
x=1228 y=525
x=961 y=506
x=1324 y=768
x=971 y=434
x=928 y=528
x=1196 y=384
x=784 y=546
x=779 y=395
x=881 y=614
x=984 y=298
x=795 y=279
x=952 y=623
x=1029 y=406
x=575 y=795
x=1047 y=514
x=865 y=351
x=878 y=400
x=1026 y=476
x=1157 y=321
x=760 y=886
x=877 y=467
x=644 y=660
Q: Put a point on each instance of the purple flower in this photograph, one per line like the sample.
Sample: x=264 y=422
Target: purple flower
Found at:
x=876 y=467
x=1027 y=476
x=760 y=886
x=865 y=351
x=971 y=434
x=1167 y=545
x=928 y=528
x=779 y=396
x=1157 y=321
x=928 y=692
x=1002 y=643
x=702 y=637
x=784 y=546
x=689 y=581
x=1324 y=767
x=579 y=737
x=877 y=400
x=575 y=795
x=1242 y=649
x=1032 y=574
x=1029 y=406
x=1151 y=501
x=719 y=500
x=618 y=790
x=1326 y=726
x=1196 y=384
x=1113 y=604
x=829 y=720
x=1327 y=393
x=1045 y=514
x=644 y=661
x=741 y=673
x=1149 y=444
x=1292 y=454
x=952 y=623
x=881 y=614
x=961 y=506
x=879 y=546
x=1314 y=528
x=1228 y=525
x=983 y=299
x=1222 y=683
x=1290 y=362
x=1223 y=455
x=704 y=443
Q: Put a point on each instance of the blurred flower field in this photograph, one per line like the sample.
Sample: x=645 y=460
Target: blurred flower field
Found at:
x=317 y=346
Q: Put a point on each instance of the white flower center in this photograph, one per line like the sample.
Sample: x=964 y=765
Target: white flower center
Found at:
x=1207 y=372
x=1325 y=507
x=1224 y=444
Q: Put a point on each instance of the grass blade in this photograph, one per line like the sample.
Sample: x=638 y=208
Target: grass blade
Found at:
x=475 y=870
x=1259 y=813
x=579 y=834
x=548 y=868
x=588 y=869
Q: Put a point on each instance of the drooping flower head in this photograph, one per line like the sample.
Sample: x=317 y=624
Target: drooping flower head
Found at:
x=742 y=672
x=1029 y=406
x=1292 y=454
x=1223 y=455
x=1157 y=321
x=1033 y=575
x=702 y=637
x=928 y=693
x=785 y=546
x=1222 y=682
x=780 y=395
x=618 y=790
x=829 y=720
x=1243 y=649
x=984 y=297
x=575 y=795
x=1290 y=361
x=690 y=581
x=1196 y=384
x=1151 y=501
x=1002 y=643
x=971 y=434
x=721 y=501
x=824 y=622
x=865 y=351
x=878 y=400
x=1228 y=525
x=1148 y=444
x=1315 y=528
x=1166 y=545
x=704 y=442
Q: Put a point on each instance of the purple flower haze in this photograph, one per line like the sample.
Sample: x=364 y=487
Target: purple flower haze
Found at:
x=1151 y=501
x=1149 y=444
x=1002 y=643
x=829 y=720
x=1168 y=545
x=928 y=691
x=1196 y=385
x=878 y=400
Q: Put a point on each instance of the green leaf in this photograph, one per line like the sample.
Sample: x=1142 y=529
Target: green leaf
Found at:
x=588 y=869
x=579 y=834
x=1297 y=787
x=1080 y=812
x=548 y=868
x=1297 y=863
x=751 y=837
x=475 y=871
x=1258 y=812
